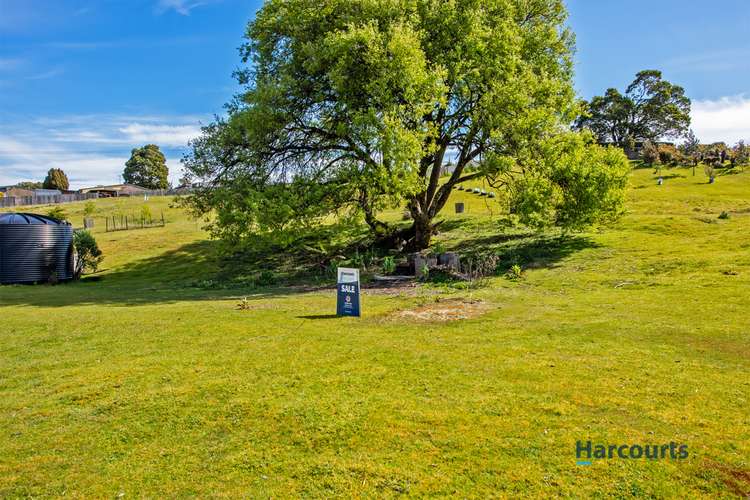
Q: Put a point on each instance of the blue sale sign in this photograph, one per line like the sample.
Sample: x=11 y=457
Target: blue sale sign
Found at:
x=347 y=303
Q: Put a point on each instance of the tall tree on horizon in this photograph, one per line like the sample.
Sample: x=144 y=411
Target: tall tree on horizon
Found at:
x=650 y=109
x=147 y=167
x=56 y=179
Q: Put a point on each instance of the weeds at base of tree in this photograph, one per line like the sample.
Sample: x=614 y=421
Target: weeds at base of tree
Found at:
x=515 y=273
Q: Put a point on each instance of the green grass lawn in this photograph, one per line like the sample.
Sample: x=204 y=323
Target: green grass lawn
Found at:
x=146 y=385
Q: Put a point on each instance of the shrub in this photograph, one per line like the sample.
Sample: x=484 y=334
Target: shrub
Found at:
x=724 y=215
x=741 y=154
x=650 y=153
x=669 y=155
x=389 y=265
x=425 y=272
x=478 y=267
x=710 y=171
x=57 y=213
x=146 y=214
x=88 y=254
x=515 y=272
x=266 y=278
x=89 y=208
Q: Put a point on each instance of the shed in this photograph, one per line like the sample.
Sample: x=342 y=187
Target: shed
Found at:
x=35 y=248
x=116 y=190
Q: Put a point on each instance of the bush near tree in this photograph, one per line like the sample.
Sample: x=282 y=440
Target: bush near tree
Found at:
x=740 y=154
x=58 y=213
x=690 y=150
x=669 y=155
x=88 y=254
x=650 y=154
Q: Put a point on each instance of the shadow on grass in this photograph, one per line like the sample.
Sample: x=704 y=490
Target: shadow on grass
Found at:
x=186 y=273
x=525 y=248
x=198 y=271
x=319 y=316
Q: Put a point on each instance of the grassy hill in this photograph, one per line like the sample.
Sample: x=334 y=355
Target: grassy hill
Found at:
x=147 y=382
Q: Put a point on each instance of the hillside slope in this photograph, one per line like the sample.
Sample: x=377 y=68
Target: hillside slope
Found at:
x=148 y=383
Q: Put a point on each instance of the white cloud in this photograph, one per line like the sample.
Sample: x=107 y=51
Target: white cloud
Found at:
x=46 y=75
x=167 y=135
x=7 y=64
x=710 y=62
x=91 y=149
x=20 y=160
x=182 y=7
x=726 y=119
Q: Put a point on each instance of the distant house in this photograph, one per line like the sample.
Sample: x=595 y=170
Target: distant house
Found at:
x=15 y=192
x=115 y=190
x=47 y=192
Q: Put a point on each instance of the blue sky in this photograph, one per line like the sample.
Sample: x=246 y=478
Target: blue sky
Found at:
x=84 y=81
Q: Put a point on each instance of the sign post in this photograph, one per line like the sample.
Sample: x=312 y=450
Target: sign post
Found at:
x=347 y=303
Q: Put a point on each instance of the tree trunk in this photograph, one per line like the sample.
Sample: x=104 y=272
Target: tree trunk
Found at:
x=423 y=231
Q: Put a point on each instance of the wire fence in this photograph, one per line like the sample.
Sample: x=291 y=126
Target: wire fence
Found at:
x=128 y=222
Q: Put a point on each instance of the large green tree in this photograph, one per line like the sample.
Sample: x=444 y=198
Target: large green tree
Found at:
x=147 y=167
x=56 y=179
x=358 y=104
x=651 y=109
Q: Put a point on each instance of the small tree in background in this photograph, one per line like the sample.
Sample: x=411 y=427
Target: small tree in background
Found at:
x=691 y=149
x=147 y=167
x=710 y=170
x=146 y=214
x=89 y=208
x=57 y=213
x=88 y=254
x=668 y=155
x=650 y=154
x=740 y=154
x=56 y=179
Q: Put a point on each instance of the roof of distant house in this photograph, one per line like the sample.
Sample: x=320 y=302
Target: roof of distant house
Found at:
x=120 y=188
x=47 y=192
x=16 y=191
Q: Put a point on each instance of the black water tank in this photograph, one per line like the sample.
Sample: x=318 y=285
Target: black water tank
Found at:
x=34 y=248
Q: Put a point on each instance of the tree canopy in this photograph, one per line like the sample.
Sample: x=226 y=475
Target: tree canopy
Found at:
x=56 y=179
x=651 y=109
x=30 y=185
x=147 y=167
x=356 y=105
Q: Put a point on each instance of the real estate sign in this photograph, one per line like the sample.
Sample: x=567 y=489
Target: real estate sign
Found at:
x=347 y=303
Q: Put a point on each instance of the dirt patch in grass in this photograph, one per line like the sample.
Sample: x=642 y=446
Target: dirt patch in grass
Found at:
x=445 y=309
x=392 y=289
x=735 y=479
